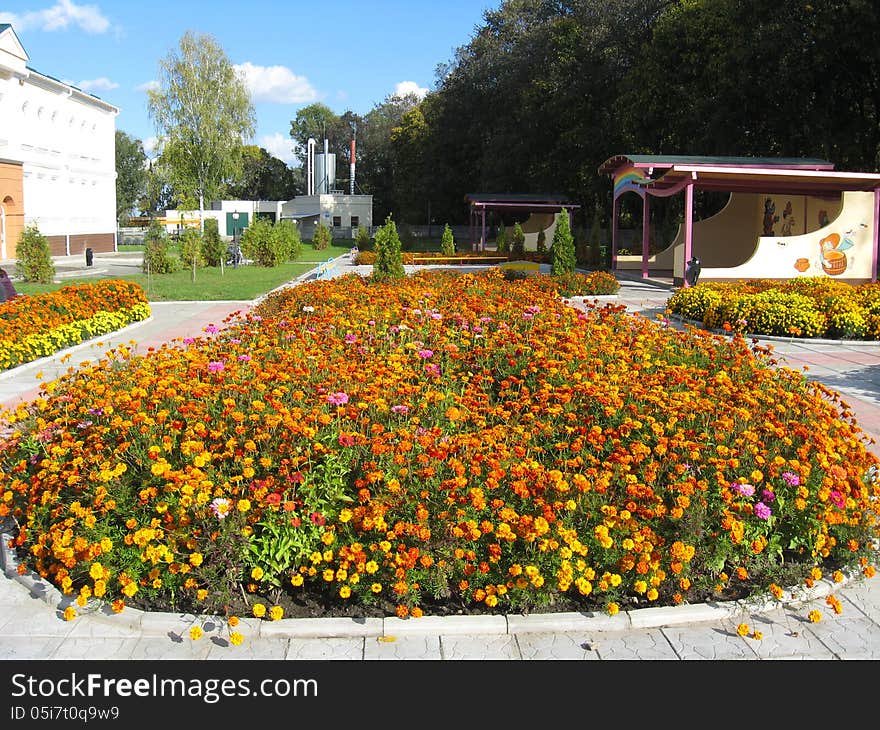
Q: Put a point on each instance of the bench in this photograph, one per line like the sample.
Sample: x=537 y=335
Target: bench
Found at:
x=323 y=270
x=458 y=259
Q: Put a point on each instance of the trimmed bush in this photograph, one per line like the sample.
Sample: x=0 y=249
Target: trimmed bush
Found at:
x=157 y=259
x=213 y=247
x=447 y=241
x=563 y=256
x=322 y=237
x=389 y=260
x=34 y=256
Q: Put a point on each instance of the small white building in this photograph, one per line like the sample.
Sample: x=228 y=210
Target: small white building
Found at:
x=232 y=216
x=343 y=214
x=57 y=158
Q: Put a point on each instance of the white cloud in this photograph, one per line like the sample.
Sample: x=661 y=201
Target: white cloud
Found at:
x=277 y=84
x=61 y=16
x=99 y=84
x=278 y=145
x=405 y=88
x=149 y=145
x=148 y=85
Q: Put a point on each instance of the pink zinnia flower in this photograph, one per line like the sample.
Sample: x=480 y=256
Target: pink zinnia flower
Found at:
x=791 y=478
x=400 y=410
x=762 y=511
x=215 y=366
x=747 y=490
x=350 y=339
x=221 y=507
x=338 y=399
x=425 y=354
x=211 y=329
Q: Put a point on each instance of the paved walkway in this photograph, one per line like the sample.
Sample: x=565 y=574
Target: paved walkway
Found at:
x=31 y=626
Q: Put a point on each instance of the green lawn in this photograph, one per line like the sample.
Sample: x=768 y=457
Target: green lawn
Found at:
x=244 y=283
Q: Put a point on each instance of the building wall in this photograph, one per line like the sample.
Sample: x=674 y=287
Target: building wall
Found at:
x=11 y=207
x=64 y=140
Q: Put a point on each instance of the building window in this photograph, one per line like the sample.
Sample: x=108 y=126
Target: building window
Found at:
x=337 y=221
x=355 y=221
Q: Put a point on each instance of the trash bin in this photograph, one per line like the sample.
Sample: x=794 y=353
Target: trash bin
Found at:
x=90 y=255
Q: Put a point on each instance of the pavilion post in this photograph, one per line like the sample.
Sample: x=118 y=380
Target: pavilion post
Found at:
x=646 y=233
x=876 y=235
x=615 y=209
x=688 y=227
x=483 y=234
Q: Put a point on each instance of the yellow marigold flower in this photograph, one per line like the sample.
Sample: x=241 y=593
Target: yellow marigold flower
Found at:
x=244 y=505
x=196 y=633
x=376 y=587
x=371 y=567
x=202 y=594
x=345 y=515
x=276 y=613
x=613 y=609
x=344 y=592
x=257 y=573
x=296 y=580
x=652 y=594
x=328 y=575
x=259 y=610
x=814 y=616
x=235 y=638
x=743 y=629
x=69 y=613
x=97 y=571
x=196 y=559
x=757 y=635
x=837 y=576
x=130 y=589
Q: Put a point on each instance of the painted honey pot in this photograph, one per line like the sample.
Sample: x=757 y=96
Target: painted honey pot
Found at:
x=833 y=256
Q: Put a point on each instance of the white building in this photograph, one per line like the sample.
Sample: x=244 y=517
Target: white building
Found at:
x=343 y=214
x=232 y=216
x=57 y=158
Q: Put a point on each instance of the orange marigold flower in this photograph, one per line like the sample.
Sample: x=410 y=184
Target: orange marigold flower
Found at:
x=69 y=613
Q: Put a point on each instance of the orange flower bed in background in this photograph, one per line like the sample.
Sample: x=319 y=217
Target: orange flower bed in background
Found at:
x=448 y=440
x=33 y=326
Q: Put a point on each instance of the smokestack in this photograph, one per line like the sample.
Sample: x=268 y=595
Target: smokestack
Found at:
x=351 y=184
x=310 y=166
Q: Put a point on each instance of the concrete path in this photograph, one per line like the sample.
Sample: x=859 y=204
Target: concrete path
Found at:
x=32 y=627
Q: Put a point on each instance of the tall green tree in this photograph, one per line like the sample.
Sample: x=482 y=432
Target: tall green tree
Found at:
x=389 y=256
x=263 y=177
x=203 y=113
x=562 y=252
x=131 y=175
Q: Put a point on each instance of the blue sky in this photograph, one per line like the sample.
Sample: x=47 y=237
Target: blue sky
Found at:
x=343 y=53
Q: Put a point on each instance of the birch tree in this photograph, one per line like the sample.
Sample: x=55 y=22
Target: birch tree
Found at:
x=203 y=115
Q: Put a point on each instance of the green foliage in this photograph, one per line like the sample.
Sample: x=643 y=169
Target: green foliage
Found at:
x=203 y=111
x=34 y=256
x=362 y=237
x=191 y=254
x=562 y=252
x=289 y=239
x=542 y=242
x=501 y=240
x=262 y=244
x=447 y=241
x=389 y=259
x=262 y=177
x=321 y=238
x=131 y=175
x=213 y=247
x=518 y=240
x=157 y=259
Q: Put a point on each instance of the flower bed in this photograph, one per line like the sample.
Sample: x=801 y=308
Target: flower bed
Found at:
x=447 y=443
x=39 y=325
x=804 y=307
x=424 y=257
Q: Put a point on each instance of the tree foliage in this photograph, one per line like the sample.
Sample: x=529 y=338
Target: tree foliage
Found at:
x=262 y=177
x=131 y=175
x=203 y=113
x=447 y=241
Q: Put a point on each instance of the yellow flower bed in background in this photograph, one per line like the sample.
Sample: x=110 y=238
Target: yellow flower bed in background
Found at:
x=804 y=307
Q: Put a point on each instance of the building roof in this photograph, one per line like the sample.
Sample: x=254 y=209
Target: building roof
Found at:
x=522 y=201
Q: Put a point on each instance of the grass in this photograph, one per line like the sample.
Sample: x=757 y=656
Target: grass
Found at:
x=243 y=283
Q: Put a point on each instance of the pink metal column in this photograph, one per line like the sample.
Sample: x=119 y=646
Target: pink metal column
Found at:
x=615 y=209
x=646 y=233
x=688 y=226
x=876 y=235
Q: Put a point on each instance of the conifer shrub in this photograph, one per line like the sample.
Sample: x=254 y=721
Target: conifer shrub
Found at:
x=447 y=241
x=34 y=256
x=157 y=258
x=563 y=254
x=389 y=258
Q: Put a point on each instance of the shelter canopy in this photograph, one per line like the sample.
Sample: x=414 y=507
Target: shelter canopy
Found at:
x=664 y=175
x=532 y=202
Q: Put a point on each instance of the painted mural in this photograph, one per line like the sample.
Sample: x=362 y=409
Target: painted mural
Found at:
x=834 y=253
